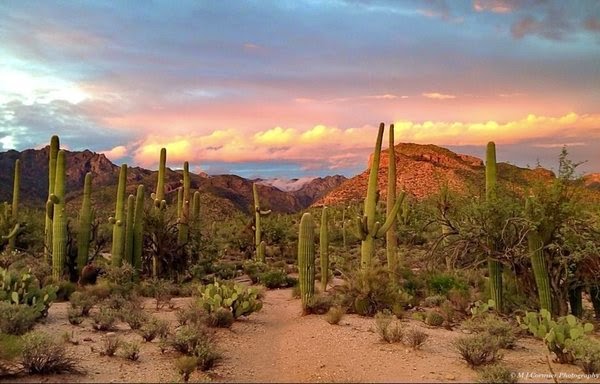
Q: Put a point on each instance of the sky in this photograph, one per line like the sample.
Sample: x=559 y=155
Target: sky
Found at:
x=297 y=88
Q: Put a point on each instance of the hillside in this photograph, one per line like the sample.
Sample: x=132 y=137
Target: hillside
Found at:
x=423 y=169
x=222 y=194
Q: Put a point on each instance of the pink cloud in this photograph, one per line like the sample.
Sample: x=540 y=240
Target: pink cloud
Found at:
x=438 y=96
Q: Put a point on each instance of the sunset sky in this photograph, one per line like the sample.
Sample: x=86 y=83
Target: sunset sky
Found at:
x=293 y=88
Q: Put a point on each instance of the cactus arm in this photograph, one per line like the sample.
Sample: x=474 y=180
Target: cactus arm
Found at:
x=391 y=217
x=371 y=198
x=13 y=233
x=359 y=229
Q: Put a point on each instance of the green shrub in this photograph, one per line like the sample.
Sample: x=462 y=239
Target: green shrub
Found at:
x=496 y=373
x=478 y=350
x=134 y=316
x=441 y=284
x=10 y=351
x=221 y=318
x=320 y=304
x=388 y=327
x=206 y=354
x=41 y=354
x=74 y=315
x=587 y=354
x=185 y=365
x=110 y=344
x=188 y=337
x=65 y=290
x=192 y=314
x=335 y=315
x=84 y=301
x=415 y=338
x=154 y=328
x=17 y=319
x=433 y=301
x=434 y=319
x=254 y=268
x=131 y=350
x=276 y=279
x=495 y=327
x=104 y=319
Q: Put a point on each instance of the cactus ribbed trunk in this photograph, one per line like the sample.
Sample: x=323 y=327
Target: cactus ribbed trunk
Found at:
x=258 y=212
x=306 y=261
x=391 y=236
x=160 y=184
x=85 y=224
x=537 y=256
x=324 y=249
x=184 y=217
x=118 y=243
x=494 y=266
x=138 y=230
x=54 y=146
x=195 y=216
x=368 y=229
x=59 y=219
x=15 y=202
x=260 y=252
x=128 y=252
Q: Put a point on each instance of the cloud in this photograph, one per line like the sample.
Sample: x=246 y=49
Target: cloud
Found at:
x=495 y=6
x=438 y=96
x=116 y=153
x=592 y=24
x=275 y=136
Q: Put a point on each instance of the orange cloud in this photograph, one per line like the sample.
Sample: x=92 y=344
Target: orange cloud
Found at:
x=276 y=136
x=438 y=96
x=116 y=153
x=495 y=6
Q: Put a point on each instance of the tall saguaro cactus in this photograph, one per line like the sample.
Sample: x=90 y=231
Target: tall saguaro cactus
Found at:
x=368 y=228
x=138 y=230
x=306 y=261
x=128 y=251
x=59 y=219
x=258 y=212
x=118 y=240
x=391 y=236
x=324 y=248
x=159 y=196
x=15 y=203
x=184 y=217
x=85 y=224
x=535 y=244
x=54 y=146
x=494 y=266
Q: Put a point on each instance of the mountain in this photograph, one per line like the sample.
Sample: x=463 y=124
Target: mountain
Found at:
x=220 y=194
x=422 y=169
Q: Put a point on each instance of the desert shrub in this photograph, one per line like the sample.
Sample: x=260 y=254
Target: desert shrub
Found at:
x=159 y=289
x=99 y=291
x=276 y=278
x=192 y=314
x=188 y=337
x=587 y=354
x=415 y=338
x=10 y=351
x=496 y=373
x=65 y=290
x=388 y=327
x=131 y=350
x=254 y=268
x=460 y=299
x=321 y=303
x=225 y=271
x=221 y=318
x=433 y=301
x=134 y=316
x=185 y=365
x=495 y=327
x=84 y=301
x=120 y=279
x=75 y=316
x=206 y=354
x=115 y=301
x=371 y=290
x=477 y=350
x=17 y=319
x=110 y=344
x=41 y=354
x=104 y=319
x=442 y=283
x=335 y=314
x=434 y=319
x=154 y=328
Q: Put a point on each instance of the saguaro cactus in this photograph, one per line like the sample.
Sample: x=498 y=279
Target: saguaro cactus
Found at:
x=118 y=243
x=184 y=217
x=324 y=248
x=128 y=252
x=54 y=146
x=59 y=219
x=138 y=230
x=159 y=196
x=494 y=266
x=85 y=224
x=368 y=229
x=391 y=236
x=15 y=203
x=538 y=261
x=306 y=261
x=258 y=212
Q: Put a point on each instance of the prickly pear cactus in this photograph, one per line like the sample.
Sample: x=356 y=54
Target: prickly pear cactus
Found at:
x=241 y=300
